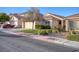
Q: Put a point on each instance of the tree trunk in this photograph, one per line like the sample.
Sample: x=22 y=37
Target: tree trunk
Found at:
x=33 y=25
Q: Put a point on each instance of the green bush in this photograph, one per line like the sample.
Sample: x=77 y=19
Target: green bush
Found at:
x=55 y=31
x=38 y=26
x=72 y=32
x=28 y=31
x=73 y=37
x=42 y=26
x=42 y=32
x=38 y=31
x=48 y=31
x=47 y=27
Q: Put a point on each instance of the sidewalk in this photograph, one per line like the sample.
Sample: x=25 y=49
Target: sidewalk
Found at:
x=50 y=39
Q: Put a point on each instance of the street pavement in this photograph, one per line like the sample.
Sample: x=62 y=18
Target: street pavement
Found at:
x=16 y=43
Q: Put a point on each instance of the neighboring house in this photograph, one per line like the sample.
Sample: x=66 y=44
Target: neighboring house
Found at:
x=16 y=20
x=72 y=22
x=56 y=21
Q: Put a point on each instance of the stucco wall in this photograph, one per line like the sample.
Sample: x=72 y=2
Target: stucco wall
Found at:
x=54 y=23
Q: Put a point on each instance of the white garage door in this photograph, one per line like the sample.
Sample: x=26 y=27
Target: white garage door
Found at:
x=28 y=25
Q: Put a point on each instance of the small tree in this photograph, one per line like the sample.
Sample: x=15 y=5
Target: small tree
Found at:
x=34 y=15
x=4 y=17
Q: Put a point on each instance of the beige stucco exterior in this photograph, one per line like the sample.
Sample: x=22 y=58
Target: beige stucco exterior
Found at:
x=55 y=20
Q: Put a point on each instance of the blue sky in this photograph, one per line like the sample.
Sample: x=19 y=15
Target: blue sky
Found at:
x=63 y=11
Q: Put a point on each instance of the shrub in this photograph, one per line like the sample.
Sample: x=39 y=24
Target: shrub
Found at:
x=42 y=26
x=47 y=27
x=35 y=31
x=28 y=31
x=38 y=31
x=72 y=32
x=38 y=26
x=48 y=31
x=55 y=31
x=73 y=37
x=42 y=32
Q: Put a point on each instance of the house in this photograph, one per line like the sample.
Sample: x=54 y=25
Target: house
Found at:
x=16 y=20
x=56 y=21
x=72 y=22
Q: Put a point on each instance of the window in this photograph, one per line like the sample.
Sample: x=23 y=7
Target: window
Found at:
x=72 y=25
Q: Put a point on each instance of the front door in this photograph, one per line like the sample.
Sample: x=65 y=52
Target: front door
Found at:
x=61 y=25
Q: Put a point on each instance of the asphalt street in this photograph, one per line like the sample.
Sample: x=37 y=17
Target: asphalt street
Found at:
x=15 y=43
